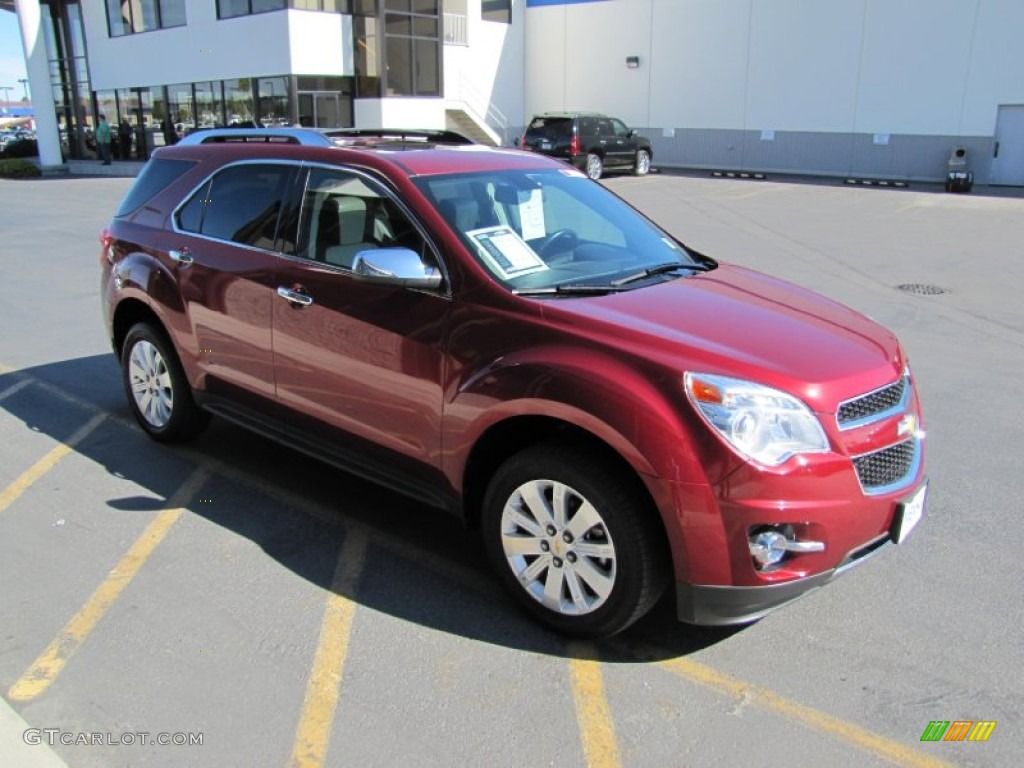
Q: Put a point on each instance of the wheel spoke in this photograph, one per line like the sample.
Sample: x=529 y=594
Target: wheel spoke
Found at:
x=533 y=571
x=586 y=517
x=598 y=581
x=536 y=503
x=516 y=516
x=520 y=546
x=553 y=589
x=576 y=590
x=596 y=549
x=559 y=505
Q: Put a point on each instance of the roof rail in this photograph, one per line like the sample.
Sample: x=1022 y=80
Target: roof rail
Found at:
x=309 y=137
x=399 y=135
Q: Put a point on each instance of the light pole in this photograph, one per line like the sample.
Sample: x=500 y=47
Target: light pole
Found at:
x=7 y=92
x=24 y=85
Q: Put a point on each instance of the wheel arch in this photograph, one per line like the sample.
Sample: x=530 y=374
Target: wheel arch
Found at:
x=504 y=439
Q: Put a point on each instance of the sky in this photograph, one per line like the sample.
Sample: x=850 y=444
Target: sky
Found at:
x=12 y=58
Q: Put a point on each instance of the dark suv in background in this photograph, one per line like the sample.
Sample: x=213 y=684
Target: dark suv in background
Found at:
x=593 y=143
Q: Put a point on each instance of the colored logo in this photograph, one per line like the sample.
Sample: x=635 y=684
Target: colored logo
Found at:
x=958 y=730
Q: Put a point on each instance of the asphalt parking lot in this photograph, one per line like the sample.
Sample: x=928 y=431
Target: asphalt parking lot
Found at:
x=251 y=607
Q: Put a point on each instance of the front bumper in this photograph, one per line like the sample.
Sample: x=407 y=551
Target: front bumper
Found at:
x=714 y=605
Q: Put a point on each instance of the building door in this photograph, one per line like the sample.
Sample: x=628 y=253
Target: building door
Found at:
x=320 y=109
x=1008 y=164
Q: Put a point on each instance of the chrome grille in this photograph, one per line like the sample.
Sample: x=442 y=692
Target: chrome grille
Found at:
x=887 y=466
x=872 y=404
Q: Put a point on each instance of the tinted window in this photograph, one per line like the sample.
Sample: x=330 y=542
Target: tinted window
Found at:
x=190 y=217
x=550 y=128
x=243 y=203
x=155 y=176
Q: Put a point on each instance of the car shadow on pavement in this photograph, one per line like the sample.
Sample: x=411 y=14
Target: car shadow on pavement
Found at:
x=422 y=565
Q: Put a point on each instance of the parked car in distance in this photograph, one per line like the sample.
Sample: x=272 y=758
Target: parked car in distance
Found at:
x=496 y=335
x=593 y=143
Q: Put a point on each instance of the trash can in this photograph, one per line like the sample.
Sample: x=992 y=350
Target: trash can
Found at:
x=959 y=178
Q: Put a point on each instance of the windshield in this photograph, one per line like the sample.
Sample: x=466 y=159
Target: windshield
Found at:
x=555 y=230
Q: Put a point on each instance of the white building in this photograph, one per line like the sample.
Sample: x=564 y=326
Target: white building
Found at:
x=871 y=88
x=161 y=68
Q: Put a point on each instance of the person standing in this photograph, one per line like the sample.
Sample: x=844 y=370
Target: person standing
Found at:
x=124 y=139
x=103 y=139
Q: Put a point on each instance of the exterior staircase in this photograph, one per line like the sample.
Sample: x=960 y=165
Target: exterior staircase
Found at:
x=458 y=118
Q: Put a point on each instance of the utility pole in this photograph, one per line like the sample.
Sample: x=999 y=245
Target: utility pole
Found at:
x=24 y=85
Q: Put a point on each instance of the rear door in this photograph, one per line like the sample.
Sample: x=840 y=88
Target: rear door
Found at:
x=224 y=244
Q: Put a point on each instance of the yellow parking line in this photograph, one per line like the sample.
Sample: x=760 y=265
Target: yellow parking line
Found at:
x=868 y=741
x=597 y=731
x=313 y=733
x=45 y=464
x=44 y=670
x=15 y=388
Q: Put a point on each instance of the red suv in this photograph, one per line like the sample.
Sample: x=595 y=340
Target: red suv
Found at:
x=493 y=333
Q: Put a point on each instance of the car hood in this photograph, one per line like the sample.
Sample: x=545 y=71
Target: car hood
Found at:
x=739 y=322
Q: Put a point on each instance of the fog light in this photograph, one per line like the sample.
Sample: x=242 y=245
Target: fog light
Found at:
x=768 y=547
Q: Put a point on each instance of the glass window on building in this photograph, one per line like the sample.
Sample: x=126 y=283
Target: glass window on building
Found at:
x=496 y=10
x=331 y=6
x=172 y=13
x=126 y=17
x=180 y=109
x=228 y=8
x=412 y=48
x=367 y=57
x=239 y=103
x=272 y=93
x=209 y=105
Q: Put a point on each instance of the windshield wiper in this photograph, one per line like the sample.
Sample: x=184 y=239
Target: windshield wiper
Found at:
x=660 y=269
x=568 y=290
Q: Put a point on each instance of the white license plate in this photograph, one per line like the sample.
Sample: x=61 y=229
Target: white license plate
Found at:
x=545 y=145
x=909 y=514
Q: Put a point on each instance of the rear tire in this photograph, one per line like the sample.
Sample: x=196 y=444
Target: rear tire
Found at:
x=158 y=391
x=643 y=163
x=569 y=536
x=595 y=166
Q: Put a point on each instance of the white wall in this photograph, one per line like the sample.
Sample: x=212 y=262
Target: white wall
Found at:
x=398 y=112
x=282 y=42
x=489 y=70
x=925 y=67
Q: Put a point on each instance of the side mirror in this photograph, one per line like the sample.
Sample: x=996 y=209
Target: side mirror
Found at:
x=395 y=266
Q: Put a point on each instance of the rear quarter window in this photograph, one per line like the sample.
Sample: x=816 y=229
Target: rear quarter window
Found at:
x=156 y=175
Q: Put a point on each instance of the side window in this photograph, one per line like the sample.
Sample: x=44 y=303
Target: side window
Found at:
x=190 y=217
x=343 y=214
x=604 y=128
x=620 y=129
x=242 y=204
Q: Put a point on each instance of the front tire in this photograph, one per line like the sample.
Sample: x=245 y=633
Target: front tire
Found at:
x=595 y=166
x=158 y=391
x=573 y=541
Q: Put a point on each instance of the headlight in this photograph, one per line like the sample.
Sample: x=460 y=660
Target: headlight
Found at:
x=762 y=423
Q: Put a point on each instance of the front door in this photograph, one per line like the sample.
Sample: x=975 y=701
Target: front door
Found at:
x=363 y=358
x=1008 y=164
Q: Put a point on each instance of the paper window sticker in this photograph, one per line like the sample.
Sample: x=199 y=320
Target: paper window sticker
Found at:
x=531 y=216
x=506 y=252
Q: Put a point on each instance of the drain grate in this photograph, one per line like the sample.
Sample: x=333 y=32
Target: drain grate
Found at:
x=922 y=289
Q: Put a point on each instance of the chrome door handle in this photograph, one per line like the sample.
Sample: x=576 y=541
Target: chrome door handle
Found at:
x=183 y=257
x=294 y=297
